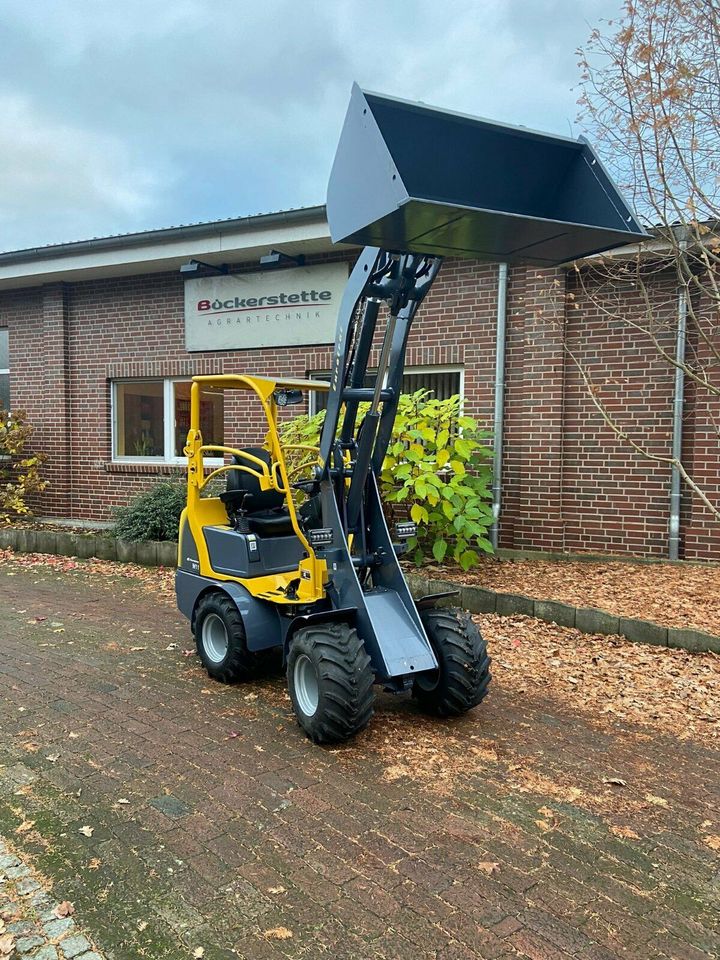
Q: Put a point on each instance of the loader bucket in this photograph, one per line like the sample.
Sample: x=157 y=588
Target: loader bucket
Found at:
x=412 y=178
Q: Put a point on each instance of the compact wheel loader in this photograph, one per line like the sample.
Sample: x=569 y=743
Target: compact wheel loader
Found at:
x=322 y=581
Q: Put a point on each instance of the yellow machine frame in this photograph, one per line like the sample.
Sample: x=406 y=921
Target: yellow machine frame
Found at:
x=201 y=512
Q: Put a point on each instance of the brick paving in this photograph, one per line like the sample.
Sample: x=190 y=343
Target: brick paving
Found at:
x=213 y=825
x=33 y=925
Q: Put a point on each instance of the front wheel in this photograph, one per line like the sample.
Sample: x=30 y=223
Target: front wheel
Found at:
x=330 y=680
x=463 y=674
x=220 y=639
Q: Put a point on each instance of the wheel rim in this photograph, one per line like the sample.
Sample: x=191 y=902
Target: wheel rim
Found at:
x=305 y=681
x=214 y=638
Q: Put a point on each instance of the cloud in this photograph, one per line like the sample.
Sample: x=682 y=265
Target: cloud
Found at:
x=60 y=179
x=153 y=113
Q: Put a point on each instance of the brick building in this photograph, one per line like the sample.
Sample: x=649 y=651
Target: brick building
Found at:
x=94 y=341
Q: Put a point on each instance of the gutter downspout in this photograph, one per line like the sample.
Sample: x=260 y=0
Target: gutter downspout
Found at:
x=499 y=403
x=678 y=404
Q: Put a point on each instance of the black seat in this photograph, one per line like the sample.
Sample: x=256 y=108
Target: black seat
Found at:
x=263 y=510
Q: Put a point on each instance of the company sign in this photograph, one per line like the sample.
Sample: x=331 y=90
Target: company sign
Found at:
x=272 y=308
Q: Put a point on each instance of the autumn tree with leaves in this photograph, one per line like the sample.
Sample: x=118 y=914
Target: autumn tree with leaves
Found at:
x=20 y=477
x=650 y=103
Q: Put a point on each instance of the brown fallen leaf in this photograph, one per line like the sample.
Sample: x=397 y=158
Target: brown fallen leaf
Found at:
x=712 y=841
x=7 y=944
x=625 y=832
x=657 y=801
x=489 y=867
x=615 y=781
x=94 y=864
x=64 y=909
x=278 y=933
x=86 y=831
x=25 y=826
x=276 y=890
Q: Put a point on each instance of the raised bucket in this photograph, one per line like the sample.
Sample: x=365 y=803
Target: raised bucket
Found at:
x=412 y=178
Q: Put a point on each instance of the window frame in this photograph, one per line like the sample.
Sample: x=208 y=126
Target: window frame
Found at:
x=168 y=424
x=429 y=368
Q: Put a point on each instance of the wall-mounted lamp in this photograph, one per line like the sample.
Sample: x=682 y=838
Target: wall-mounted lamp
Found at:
x=276 y=258
x=192 y=266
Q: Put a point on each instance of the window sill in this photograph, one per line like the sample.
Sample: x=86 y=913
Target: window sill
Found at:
x=163 y=469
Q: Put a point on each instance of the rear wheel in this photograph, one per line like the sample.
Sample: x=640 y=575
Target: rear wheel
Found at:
x=330 y=680
x=220 y=639
x=463 y=674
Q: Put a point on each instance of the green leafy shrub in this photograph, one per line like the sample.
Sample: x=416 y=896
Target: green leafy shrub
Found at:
x=152 y=515
x=19 y=468
x=436 y=471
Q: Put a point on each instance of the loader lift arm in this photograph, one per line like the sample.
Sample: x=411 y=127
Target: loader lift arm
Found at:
x=401 y=281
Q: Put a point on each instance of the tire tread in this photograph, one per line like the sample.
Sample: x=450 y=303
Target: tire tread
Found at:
x=345 y=673
x=464 y=664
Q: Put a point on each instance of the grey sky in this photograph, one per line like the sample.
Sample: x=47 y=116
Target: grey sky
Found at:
x=120 y=115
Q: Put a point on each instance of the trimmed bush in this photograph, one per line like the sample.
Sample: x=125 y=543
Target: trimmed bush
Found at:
x=153 y=515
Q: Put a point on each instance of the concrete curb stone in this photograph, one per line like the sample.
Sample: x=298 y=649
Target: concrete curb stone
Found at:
x=86 y=546
x=106 y=548
x=126 y=552
x=693 y=640
x=553 y=611
x=592 y=620
x=509 y=604
x=66 y=544
x=46 y=541
x=643 y=631
x=478 y=599
x=146 y=553
x=167 y=553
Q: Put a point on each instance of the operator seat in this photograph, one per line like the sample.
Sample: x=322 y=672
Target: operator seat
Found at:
x=264 y=510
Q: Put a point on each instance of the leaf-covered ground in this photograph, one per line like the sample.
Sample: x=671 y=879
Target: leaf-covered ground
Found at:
x=574 y=814
x=685 y=596
x=607 y=677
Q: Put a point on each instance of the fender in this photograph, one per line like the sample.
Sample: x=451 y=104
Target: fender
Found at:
x=341 y=615
x=432 y=599
x=261 y=620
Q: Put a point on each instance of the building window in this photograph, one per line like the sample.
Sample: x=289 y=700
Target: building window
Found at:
x=4 y=370
x=443 y=381
x=151 y=419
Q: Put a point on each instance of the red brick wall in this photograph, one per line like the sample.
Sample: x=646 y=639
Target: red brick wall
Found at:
x=614 y=498
x=568 y=484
